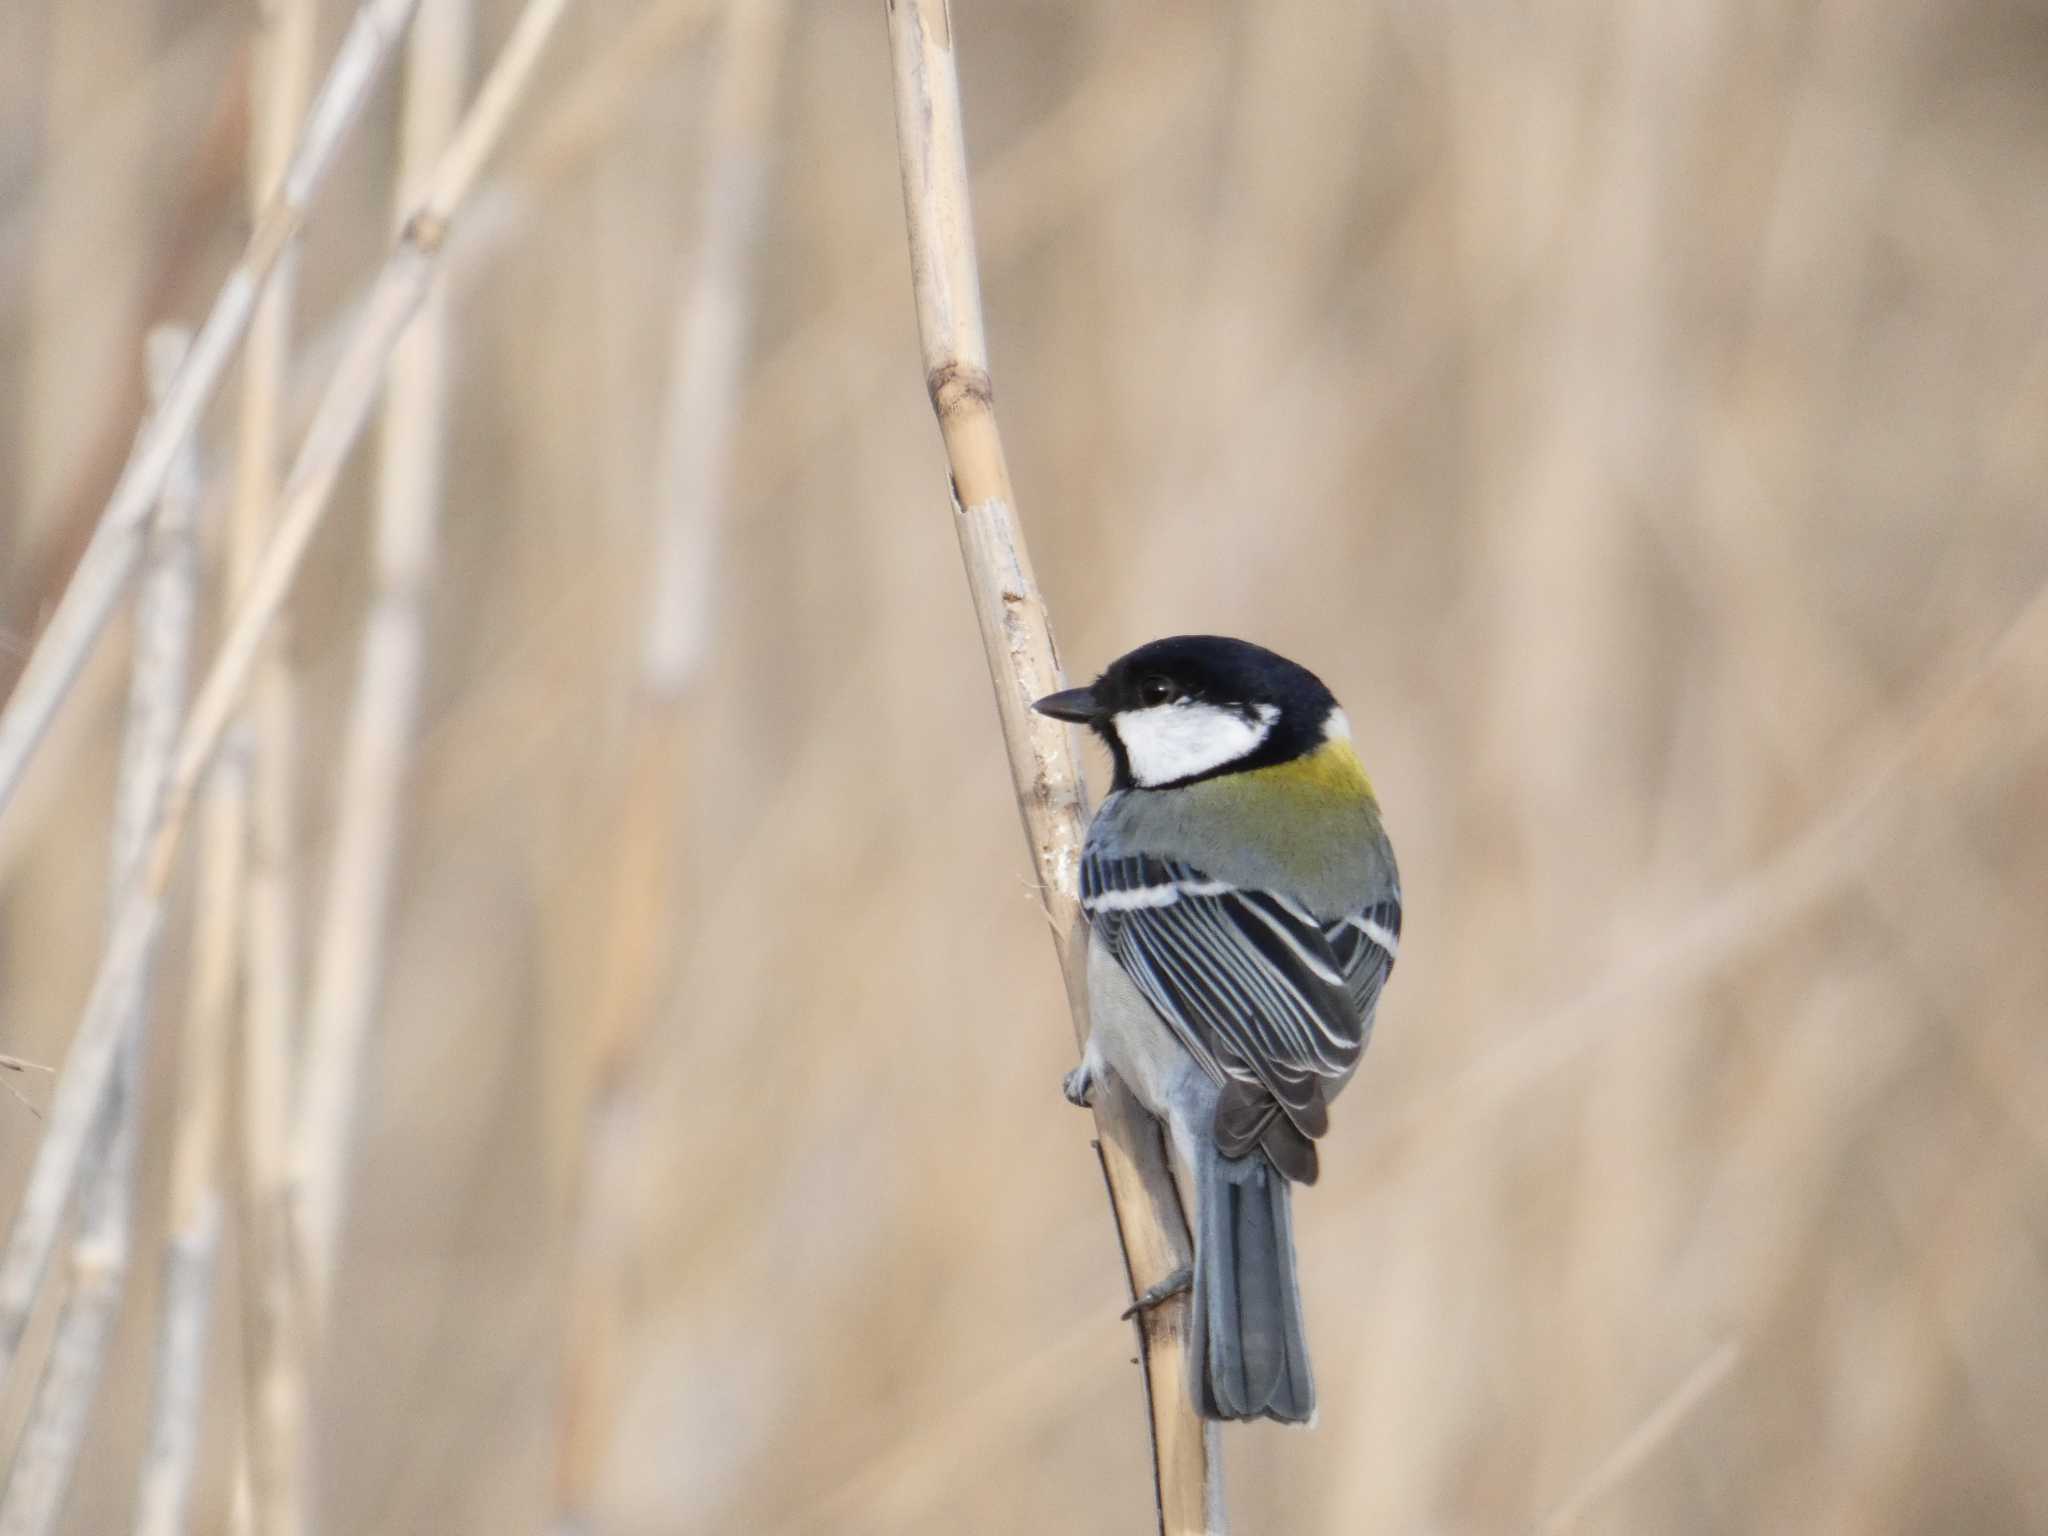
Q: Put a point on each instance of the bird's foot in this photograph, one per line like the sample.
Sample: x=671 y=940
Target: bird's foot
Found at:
x=1079 y=1085
x=1180 y=1280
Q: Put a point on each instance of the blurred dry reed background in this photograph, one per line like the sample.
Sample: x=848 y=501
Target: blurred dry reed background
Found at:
x=1638 y=414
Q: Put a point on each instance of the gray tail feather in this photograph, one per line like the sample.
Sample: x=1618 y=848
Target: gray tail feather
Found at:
x=1248 y=1348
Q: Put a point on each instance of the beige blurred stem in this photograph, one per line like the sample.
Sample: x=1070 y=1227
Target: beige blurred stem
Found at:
x=708 y=348
x=1646 y=1439
x=344 y=406
x=116 y=545
x=16 y=1064
x=349 y=960
x=47 y=1453
x=1023 y=665
x=230 y=873
x=170 y=1457
x=273 y=1347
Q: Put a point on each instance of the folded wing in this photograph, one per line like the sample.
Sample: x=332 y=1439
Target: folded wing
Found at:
x=1275 y=1005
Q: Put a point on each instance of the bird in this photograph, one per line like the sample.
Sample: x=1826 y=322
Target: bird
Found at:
x=1244 y=913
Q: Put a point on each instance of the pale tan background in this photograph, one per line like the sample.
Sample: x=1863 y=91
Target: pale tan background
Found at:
x=1638 y=414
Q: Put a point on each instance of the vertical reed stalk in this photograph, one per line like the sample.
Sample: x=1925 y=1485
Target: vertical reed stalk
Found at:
x=273 y=1346
x=47 y=1455
x=339 y=417
x=377 y=754
x=706 y=356
x=1023 y=665
x=110 y=556
x=192 y=1249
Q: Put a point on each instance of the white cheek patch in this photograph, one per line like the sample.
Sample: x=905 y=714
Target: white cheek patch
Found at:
x=1178 y=741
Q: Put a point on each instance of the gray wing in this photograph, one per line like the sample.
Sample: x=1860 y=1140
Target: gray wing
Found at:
x=1366 y=944
x=1258 y=990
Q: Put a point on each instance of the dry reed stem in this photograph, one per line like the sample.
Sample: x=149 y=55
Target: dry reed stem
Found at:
x=588 y=110
x=344 y=406
x=634 y=968
x=575 y=124
x=377 y=751
x=47 y=1454
x=191 y=1250
x=708 y=348
x=111 y=554
x=1646 y=1438
x=1023 y=665
x=707 y=353
x=1840 y=1076
x=819 y=377
x=1082 y=148
x=241 y=1522
x=37 y=577
x=22 y=1099
x=1745 y=912
x=75 y=1109
x=273 y=1349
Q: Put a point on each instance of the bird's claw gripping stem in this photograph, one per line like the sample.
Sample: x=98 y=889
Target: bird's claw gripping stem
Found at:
x=1079 y=1086
x=1180 y=1280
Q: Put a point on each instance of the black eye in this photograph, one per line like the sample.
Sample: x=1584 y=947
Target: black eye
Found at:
x=1157 y=690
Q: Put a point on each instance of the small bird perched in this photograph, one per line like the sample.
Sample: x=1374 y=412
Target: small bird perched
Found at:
x=1244 y=912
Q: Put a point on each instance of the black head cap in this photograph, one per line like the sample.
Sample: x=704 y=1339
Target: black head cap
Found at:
x=1235 y=675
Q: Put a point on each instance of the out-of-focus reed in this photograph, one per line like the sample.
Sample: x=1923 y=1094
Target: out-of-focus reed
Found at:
x=1634 y=413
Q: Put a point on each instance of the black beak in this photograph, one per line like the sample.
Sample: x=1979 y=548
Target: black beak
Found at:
x=1075 y=704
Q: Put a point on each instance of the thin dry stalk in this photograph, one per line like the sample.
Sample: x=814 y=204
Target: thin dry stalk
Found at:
x=1747 y=911
x=349 y=966
x=1024 y=664
x=588 y=110
x=577 y=122
x=1646 y=1438
x=707 y=353
x=708 y=347
x=192 y=1249
x=635 y=967
x=48 y=1451
x=116 y=544
x=344 y=406
x=75 y=1107
x=16 y=1064
x=273 y=1350
x=1091 y=143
